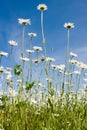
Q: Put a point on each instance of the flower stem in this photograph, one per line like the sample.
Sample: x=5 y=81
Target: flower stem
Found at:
x=66 y=59
x=11 y=56
x=0 y=60
x=22 y=55
x=43 y=37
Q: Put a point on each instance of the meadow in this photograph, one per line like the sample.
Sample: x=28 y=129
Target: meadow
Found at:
x=43 y=95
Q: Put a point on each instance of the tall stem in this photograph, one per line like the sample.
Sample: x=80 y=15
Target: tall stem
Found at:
x=79 y=80
x=66 y=59
x=22 y=55
x=11 y=56
x=0 y=60
x=67 y=49
x=43 y=37
x=31 y=60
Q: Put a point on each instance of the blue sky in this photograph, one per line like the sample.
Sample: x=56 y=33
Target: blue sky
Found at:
x=59 y=12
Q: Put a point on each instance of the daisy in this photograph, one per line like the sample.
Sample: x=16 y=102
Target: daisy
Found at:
x=82 y=65
x=61 y=67
x=42 y=58
x=32 y=34
x=69 y=25
x=77 y=72
x=24 y=21
x=24 y=59
x=30 y=51
x=73 y=54
x=54 y=67
x=74 y=62
x=37 y=48
x=2 y=69
x=49 y=59
x=36 y=61
x=3 y=53
x=42 y=7
x=12 y=43
x=12 y=92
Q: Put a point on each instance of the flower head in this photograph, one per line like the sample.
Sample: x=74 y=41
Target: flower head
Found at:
x=30 y=51
x=42 y=7
x=74 y=62
x=54 y=67
x=61 y=67
x=37 y=48
x=73 y=54
x=49 y=59
x=77 y=72
x=82 y=65
x=12 y=92
x=43 y=58
x=3 y=53
x=32 y=34
x=2 y=69
x=12 y=43
x=9 y=76
x=36 y=61
x=69 y=25
x=24 y=21
x=24 y=59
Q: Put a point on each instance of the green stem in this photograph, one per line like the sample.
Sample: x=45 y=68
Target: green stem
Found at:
x=79 y=79
x=66 y=59
x=11 y=56
x=67 y=49
x=22 y=55
x=31 y=43
x=0 y=60
x=43 y=37
x=22 y=51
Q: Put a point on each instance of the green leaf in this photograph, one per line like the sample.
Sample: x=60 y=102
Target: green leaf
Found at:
x=46 y=70
x=17 y=70
x=51 y=105
x=29 y=85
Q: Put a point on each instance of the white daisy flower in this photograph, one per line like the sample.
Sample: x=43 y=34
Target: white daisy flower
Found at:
x=2 y=69
x=42 y=7
x=37 y=48
x=54 y=67
x=73 y=54
x=36 y=61
x=9 y=76
x=61 y=67
x=24 y=21
x=43 y=58
x=74 y=62
x=12 y=92
x=69 y=25
x=77 y=72
x=7 y=72
x=30 y=51
x=19 y=81
x=32 y=34
x=49 y=59
x=82 y=65
x=24 y=59
x=12 y=43
x=8 y=69
x=3 y=53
